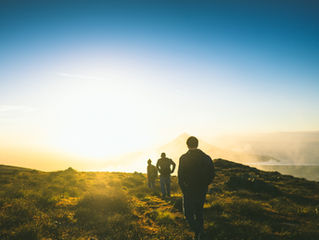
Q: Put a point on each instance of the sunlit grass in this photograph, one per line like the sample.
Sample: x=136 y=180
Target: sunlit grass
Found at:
x=99 y=205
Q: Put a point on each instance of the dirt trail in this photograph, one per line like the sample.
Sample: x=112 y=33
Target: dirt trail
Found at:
x=162 y=218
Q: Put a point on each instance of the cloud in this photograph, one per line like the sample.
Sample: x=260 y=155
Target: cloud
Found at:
x=78 y=76
x=8 y=111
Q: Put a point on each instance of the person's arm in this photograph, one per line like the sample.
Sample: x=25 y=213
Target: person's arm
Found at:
x=174 y=165
x=155 y=172
x=180 y=175
x=158 y=166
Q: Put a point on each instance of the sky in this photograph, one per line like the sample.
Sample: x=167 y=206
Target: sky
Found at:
x=101 y=78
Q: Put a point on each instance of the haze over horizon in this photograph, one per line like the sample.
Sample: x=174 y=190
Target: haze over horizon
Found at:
x=265 y=151
x=95 y=79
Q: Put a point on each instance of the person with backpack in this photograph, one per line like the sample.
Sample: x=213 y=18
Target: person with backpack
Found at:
x=151 y=174
x=164 y=167
x=195 y=172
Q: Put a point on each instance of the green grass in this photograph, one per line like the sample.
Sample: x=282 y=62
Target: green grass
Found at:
x=244 y=203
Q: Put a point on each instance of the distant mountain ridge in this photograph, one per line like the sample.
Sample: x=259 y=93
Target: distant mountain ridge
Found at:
x=178 y=146
x=174 y=149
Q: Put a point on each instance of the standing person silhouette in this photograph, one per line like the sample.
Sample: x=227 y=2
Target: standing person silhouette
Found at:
x=151 y=174
x=164 y=167
x=195 y=172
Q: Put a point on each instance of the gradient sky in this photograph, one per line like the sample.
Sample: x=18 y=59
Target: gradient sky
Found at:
x=97 y=78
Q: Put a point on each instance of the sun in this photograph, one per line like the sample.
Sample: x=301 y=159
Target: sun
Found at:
x=100 y=122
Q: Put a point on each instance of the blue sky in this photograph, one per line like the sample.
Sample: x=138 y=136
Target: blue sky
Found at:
x=169 y=66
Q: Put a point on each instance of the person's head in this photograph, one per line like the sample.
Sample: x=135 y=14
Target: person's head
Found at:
x=149 y=161
x=163 y=155
x=192 y=142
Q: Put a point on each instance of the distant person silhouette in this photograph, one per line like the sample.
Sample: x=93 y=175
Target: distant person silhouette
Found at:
x=164 y=167
x=195 y=172
x=151 y=174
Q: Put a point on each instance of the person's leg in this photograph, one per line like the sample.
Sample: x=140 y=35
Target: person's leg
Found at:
x=168 y=186
x=153 y=183
x=189 y=211
x=149 y=183
x=162 y=181
x=198 y=212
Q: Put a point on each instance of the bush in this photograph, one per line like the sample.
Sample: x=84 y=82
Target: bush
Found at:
x=134 y=180
x=45 y=201
x=106 y=215
x=249 y=209
x=252 y=184
x=140 y=191
x=165 y=217
x=17 y=213
x=26 y=232
x=94 y=209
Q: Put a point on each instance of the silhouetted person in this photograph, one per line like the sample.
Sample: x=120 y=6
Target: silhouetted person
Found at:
x=195 y=172
x=164 y=167
x=151 y=174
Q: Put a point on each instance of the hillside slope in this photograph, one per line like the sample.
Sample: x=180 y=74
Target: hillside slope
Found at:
x=243 y=203
x=11 y=169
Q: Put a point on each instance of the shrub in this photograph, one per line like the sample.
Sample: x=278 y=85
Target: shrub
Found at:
x=134 y=180
x=248 y=209
x=94 y=209
x=109 y=216
x=45 y=201
x=165 y=217
x=26 y=232
x=140 y=191
x=17 y=213
x=252 y=184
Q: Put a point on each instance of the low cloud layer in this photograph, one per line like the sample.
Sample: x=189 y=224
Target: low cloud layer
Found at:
x=301 y=148
x=7 y=111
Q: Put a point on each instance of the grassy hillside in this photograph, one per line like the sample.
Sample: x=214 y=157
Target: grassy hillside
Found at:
x=244 y=203
x=12 y=169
